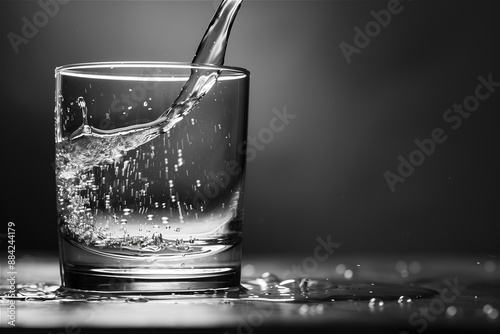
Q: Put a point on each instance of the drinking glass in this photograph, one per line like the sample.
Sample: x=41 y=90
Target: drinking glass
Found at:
x=147 y=202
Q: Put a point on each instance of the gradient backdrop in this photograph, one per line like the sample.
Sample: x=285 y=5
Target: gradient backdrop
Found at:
x=324 y=173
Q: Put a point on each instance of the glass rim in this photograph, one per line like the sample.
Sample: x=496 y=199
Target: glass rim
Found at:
x=84 y=67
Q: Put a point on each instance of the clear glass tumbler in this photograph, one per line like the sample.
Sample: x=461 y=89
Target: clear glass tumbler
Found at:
x=149 y=203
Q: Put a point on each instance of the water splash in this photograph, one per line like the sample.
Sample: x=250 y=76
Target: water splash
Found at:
x=89 y=146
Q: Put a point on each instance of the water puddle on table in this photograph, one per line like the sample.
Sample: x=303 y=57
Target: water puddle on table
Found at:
x=268 y=288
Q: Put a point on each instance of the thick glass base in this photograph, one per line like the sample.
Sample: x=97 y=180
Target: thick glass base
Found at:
x=86 y=271
x=166 y=282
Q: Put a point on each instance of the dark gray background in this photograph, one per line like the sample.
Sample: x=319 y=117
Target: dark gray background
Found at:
x=323 y=174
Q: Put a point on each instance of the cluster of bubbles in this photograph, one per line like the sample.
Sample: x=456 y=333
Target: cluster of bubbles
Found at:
x=148 y=239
